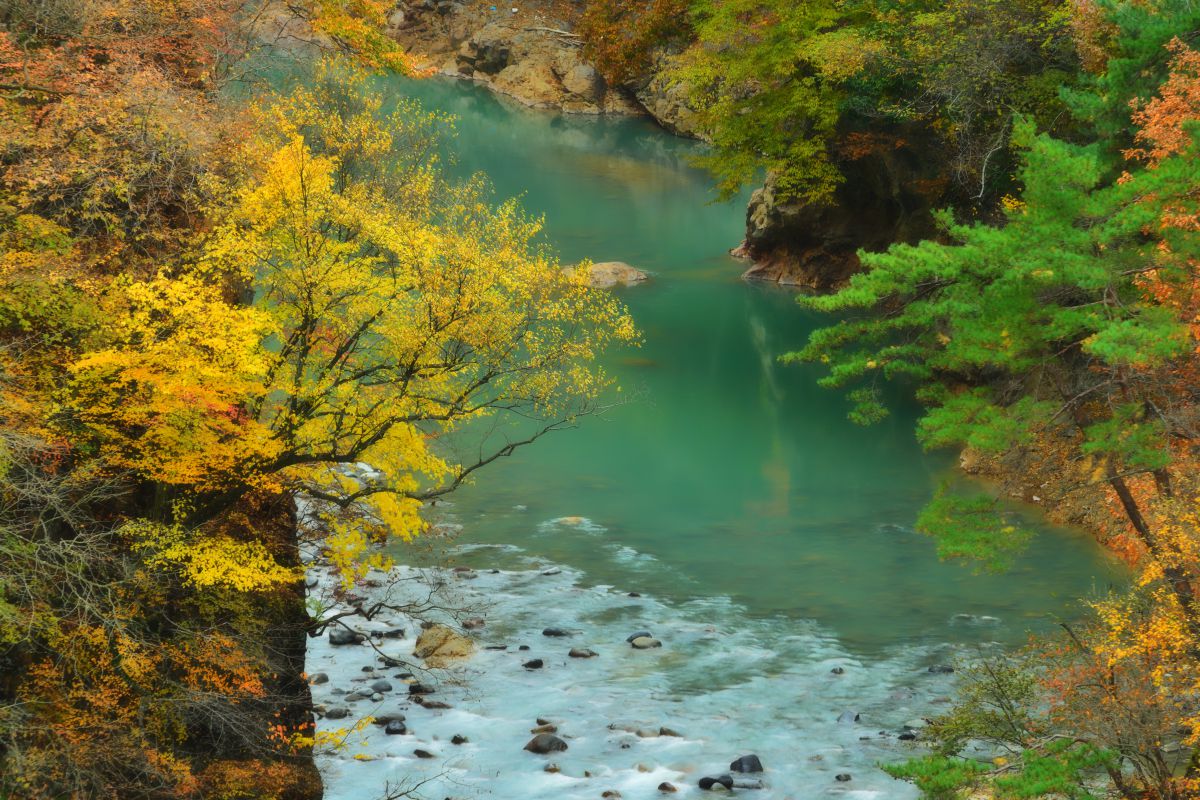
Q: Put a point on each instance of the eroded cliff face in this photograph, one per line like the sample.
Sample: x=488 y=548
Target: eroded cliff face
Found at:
x=526 y=51
x=887 y=196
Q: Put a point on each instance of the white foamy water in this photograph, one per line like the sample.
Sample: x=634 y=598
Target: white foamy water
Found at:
x=729 y=684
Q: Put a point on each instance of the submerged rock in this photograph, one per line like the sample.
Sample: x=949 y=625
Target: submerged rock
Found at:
x=534 y=663
x=748 y=784
x=645 y=643
x=419 y=753
x=381 y=686
x=545 y=743
x=395 y=728
x=609 y=274
x=458 y=738
x=842 y=777
x=432 y=705
x=581 y=652
x=667 y=788
x=848 y=717
x=556 y=632
x=750 y=763
x=318 y=678
x=337 y=712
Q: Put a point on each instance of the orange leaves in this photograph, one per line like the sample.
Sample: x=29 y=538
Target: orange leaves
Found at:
x=621 y=35
x=257 y=778
x=214 y=662
x=1092 y=33
x=861 y=144
x=1161 y=122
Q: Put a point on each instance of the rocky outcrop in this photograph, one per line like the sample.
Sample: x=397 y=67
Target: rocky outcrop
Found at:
x=666 y=99
x=531 y=56
x=534 y=57
x=886 y=198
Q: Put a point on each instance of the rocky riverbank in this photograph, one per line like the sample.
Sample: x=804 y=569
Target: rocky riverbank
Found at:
x=530 y=683
x=531 y=53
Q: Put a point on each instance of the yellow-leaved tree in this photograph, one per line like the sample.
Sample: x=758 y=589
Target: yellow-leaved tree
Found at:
x=392 y=309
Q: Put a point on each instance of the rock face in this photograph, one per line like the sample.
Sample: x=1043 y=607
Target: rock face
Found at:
x=610 y=274
x=531 y=56
x=886 y=197
x=441 y=646
x=666 y=100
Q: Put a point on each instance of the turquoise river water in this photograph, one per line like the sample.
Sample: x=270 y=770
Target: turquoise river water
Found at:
x=768 y=537
x=737 y=474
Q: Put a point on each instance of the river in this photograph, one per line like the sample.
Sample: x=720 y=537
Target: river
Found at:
x=768 y=540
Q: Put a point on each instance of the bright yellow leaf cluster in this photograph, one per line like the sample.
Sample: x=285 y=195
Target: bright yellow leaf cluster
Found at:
x=207 y=562
x=165 y=394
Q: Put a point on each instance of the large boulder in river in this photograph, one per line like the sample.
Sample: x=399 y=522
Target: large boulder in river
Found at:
x=609 y=274
x=342 y=636
x=440 y=646
x=545 y=743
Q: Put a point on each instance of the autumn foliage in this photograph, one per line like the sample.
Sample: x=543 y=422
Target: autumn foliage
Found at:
x=210 y=306
x=1063 y=342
